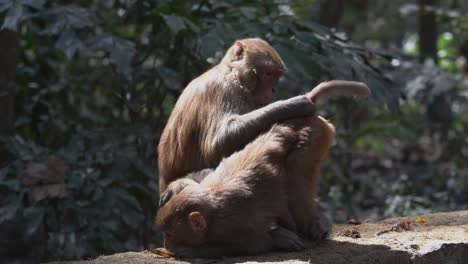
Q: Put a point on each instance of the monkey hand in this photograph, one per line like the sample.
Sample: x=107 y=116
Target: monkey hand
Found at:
x=283 y=239
x=187 y=252
x=174 y=188
x=302 y=104
x=318 y=229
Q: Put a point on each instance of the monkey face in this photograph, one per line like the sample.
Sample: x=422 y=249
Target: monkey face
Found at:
x=181 y=233
x=181 y=225
x=267 y=81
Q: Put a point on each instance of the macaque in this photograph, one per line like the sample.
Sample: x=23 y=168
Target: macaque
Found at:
x=303 y=164
x=225 y=108
x=235 y=208
x=302 y=170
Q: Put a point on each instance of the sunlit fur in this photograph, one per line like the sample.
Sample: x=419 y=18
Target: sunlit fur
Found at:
x=302 y=167
x=192 y=139
x=250 y=182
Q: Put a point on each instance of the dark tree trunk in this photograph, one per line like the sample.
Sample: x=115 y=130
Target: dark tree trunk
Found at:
x=9 y=55
x=331 y=12
x=427 y=30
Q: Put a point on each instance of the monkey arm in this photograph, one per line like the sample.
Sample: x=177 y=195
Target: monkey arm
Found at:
x=284 y=239
x=287 y=221
x=238 y=130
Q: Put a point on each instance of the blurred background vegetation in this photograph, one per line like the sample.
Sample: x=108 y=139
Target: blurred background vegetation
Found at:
x=86 y=87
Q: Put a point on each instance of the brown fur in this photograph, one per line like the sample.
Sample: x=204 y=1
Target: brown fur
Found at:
x=241 y=200
x=227 y=107
x=216 y=113
x=221 y=111
x=303 y=166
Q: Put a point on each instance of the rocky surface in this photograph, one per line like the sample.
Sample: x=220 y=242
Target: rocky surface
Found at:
x=442 y=239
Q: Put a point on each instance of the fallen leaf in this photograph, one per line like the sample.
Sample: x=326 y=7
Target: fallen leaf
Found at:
x=405 y=225
x=352 y=233
x=420 y=220
x=161 y=252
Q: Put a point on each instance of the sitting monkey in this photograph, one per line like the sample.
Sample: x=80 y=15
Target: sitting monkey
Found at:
x=302 y=168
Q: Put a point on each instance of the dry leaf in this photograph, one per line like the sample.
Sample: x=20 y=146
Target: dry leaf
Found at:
x=53 y=171
x=352 y=233
x=405 y=225
x=161 y=252
x=420 y=220
x=42 y=192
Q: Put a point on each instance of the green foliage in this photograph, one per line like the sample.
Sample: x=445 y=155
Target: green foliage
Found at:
x=447 y=51
x=98 y=80
x=107 y=187
x=407 y=164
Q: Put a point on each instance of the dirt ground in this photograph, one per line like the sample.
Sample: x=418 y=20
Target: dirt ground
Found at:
x=442 y=239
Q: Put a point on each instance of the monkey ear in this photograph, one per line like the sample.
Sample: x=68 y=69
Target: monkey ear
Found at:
x=197 y=221
x=238 y=51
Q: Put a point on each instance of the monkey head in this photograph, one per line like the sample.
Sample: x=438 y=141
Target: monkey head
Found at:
x=174 y=188
x=183 y=219
x=258 y=67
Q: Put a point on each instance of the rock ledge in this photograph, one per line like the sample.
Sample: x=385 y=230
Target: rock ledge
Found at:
x=443 y=239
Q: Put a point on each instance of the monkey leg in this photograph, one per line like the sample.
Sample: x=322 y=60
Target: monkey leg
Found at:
x=286 y=240
x=303 y=172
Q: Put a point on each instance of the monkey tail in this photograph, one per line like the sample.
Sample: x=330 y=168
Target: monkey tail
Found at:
x=338 y=88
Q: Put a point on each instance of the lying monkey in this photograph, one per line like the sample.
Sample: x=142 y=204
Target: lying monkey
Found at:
x=235 y=208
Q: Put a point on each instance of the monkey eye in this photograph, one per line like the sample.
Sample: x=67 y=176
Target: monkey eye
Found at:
x=269 y=74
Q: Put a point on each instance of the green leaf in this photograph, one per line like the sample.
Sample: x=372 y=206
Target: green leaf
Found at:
x=248 y=12
x=125 y=196
x=38 y=4
x=68 y=43
x=192 y=26
x=131 y=217
x=144 y=168
x=17 y=12
x=54 y=27
x=13 y=16
x=175 y=23
x=5 y=5
x=120 y=200
x=3 y=173
x=33 y=220
x=66 y=17
x=121 y=52
x=209 y=44
x=8 y=212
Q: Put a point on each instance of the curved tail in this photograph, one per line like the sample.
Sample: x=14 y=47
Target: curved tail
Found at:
x=338 y=88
